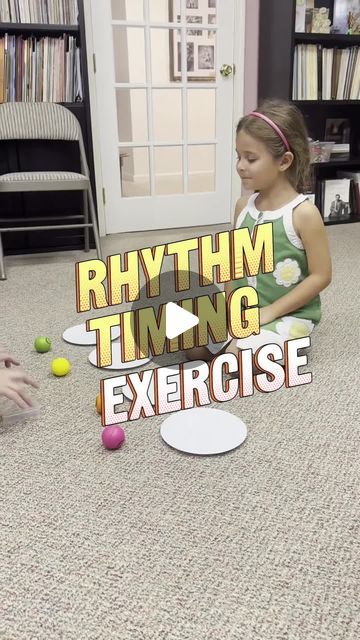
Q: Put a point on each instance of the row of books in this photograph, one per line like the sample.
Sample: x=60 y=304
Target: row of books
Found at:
x=321 y=73
x=27 y=69
x=39 y=11
x=340 y=197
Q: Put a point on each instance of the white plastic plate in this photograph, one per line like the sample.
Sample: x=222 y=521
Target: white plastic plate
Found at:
x=203 y=431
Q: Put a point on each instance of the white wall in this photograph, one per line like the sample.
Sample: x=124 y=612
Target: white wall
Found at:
x=251 y=54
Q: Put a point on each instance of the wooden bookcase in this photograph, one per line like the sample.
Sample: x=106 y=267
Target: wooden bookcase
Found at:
x=53 y=156
x=277 y=41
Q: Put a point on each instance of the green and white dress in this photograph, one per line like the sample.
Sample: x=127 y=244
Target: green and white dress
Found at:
x=291 y=268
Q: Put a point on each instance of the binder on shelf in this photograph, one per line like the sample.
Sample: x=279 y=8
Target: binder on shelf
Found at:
x=26 y=69
x=63 y=12
x=322 y=73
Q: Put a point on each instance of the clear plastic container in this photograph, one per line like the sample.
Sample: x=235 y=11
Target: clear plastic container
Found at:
x=320 y=151
x=10 y=413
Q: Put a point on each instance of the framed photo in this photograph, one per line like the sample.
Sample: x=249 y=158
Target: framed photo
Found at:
x=337 y=130
x=337 y=199
x=200 y=43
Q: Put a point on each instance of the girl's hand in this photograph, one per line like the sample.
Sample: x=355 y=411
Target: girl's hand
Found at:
x=7 y=358
x=266 y=315
x=11 y=386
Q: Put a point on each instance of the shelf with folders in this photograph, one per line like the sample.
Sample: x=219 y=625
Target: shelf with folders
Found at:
x=50 y=12
x=323 y=73
x=27 y=64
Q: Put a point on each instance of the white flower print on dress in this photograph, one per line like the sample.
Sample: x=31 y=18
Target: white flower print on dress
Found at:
x=287 y=272
x=292 y=328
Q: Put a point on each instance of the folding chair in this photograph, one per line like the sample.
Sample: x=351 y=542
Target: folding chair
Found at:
x=46 y=121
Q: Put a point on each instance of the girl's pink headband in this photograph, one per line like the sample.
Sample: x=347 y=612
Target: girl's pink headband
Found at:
x=273 y=125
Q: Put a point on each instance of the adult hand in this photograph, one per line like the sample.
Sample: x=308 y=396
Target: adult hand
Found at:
x=7 y=358
x=11 y=386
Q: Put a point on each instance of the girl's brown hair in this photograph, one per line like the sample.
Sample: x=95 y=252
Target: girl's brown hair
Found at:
x=291 y=122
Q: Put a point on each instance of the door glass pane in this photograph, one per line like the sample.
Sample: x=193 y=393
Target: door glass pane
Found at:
x=212 y=6
x=132 y=115
x=201 y=159
x=211 y=20
x=164 y=10
x=129 y=54
x=164 y=57
x=167 y=115
x=134 y=171
x=201 y=114
x=127 y=9
x=168 y=170
x=201 y=54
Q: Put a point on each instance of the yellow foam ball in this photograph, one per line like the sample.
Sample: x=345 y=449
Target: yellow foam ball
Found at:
x=298 y=330
x=60 y=367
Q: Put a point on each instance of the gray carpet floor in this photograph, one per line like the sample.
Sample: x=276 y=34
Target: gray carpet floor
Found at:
x=146 y=543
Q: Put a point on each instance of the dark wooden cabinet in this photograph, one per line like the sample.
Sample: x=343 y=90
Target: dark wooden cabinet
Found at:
x=49 y=155
x=277 y=41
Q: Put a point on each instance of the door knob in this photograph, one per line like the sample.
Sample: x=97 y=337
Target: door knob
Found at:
x=226 y=70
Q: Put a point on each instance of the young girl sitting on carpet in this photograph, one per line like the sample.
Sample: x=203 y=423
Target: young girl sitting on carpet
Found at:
x=274 y=162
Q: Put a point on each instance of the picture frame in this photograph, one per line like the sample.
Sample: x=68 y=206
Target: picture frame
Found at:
x=336 y=199
x=200 y=43
x=337 y=130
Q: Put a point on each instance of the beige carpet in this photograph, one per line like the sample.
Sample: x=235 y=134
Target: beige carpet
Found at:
x=149 y=544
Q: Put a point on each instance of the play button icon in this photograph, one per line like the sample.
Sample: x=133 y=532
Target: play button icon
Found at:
x=178 y=320
x=170 y=313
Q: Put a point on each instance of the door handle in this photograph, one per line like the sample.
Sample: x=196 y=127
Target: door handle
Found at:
x=226 y=70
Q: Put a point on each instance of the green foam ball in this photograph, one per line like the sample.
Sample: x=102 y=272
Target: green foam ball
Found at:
x=42 y=344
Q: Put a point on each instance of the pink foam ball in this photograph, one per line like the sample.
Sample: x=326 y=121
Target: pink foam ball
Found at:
x=113 y=437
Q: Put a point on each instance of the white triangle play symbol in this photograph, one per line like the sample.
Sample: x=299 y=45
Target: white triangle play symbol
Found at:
x=178 y=320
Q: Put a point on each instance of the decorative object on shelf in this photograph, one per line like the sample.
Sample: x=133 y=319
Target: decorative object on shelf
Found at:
x=310 y=19
x=320 y=151
x=342 y=11
x=354 y=23
x=320 y=20
x=200 y=42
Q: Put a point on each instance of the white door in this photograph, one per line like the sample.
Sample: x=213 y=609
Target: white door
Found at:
x=165 y=111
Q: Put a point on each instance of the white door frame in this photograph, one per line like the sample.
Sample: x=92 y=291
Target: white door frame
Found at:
x=239 y=90
x=238 y=102
x=90 y=58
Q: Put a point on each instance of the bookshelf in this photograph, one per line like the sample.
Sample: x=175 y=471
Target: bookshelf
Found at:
x=277 y=42
x=54 y=156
